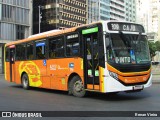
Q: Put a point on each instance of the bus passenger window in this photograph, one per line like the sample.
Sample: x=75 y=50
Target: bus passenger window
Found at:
x=40 y=50
x=7 y=55
x=20 y=52
x=56 y=47
x=72 y=45
x=30 y=51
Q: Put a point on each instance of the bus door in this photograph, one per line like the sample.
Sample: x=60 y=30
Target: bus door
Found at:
x=12 y=63
x=91 y=61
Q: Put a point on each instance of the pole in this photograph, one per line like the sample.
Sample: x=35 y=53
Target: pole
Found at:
x=98 y=10
x=91 y=10
x=39 y=18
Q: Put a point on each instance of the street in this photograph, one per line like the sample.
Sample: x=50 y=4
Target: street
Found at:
x=14 y=98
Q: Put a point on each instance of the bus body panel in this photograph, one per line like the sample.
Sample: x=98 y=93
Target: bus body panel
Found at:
x=101 y=78
x=28 y=67
x=131 y=77
x=7 y=71
x=59 y=71
x=113 y=85
x=53 y=74
x=13 y=73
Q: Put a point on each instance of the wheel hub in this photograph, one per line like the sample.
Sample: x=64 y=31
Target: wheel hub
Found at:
x=78 y=86
x=25 y=81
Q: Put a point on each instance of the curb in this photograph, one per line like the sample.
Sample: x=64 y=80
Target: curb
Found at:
x=155 y=82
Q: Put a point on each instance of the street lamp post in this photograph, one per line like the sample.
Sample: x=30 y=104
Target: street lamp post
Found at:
x=40 y=17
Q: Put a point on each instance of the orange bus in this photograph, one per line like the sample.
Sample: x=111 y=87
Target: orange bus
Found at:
x=106 y=57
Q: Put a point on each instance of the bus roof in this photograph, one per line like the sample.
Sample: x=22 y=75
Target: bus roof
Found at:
x=57 y=32
x=44 y=33
x=48 y=34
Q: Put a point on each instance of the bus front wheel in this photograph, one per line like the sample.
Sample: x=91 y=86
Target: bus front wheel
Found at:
x=25 y=81
x=76 y=87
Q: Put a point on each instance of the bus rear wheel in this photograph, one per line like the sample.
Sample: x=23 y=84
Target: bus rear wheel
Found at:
x=76 y=87
x=25 y=81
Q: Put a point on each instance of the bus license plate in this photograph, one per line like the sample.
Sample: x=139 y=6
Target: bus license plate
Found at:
x=138 y=87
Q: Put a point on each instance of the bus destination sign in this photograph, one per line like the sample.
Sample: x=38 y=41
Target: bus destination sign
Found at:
x=120 y=26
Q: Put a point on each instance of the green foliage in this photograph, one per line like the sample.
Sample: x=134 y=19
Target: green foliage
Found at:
x=157 y=45
x=152 y=48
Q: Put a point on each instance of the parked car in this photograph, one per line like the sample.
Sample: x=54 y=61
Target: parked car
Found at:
x=155 y=63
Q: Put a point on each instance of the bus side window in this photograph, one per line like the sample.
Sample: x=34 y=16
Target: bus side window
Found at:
x=30 y=51
x=20 y=52
x=7 y=55
x=40 y=50
x=56 y=47
x=72 y=45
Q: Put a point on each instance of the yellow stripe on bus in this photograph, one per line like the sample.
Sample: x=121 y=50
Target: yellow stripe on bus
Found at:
x=102 y=79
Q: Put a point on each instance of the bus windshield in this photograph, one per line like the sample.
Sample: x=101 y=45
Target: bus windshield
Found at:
x=128 y=49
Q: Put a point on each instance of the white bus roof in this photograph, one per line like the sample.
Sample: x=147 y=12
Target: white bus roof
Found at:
x=44 y=33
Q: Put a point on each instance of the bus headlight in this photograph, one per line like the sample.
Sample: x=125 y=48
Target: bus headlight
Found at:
x=114 y=75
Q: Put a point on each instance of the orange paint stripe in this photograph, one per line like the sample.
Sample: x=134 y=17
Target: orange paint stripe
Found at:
x=136 y=79
x=90 y=86
x=96 y=87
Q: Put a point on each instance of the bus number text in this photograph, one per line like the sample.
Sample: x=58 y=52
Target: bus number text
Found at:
x=115 y=26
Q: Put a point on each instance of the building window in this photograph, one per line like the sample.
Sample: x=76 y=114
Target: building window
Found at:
x=20 y=32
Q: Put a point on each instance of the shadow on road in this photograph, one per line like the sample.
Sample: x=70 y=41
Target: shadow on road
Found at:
x=42 y=90
x=121 y=96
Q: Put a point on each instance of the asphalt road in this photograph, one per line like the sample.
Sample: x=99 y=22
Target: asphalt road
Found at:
x=14 y=98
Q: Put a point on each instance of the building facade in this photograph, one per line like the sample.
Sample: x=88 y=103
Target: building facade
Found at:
x=57 y=14
x=104 y=10
x=93 y=10
x=154 y=12
x=124 y=10
x=15 y=22
x=148 y=15
x=117 y=10
x=155 y=18
x=130 y=10
x=15 y=19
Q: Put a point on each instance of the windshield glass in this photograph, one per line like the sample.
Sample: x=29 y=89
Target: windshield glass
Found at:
x=128 y=49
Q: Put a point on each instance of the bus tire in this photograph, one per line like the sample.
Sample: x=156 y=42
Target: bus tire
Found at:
x=25 y=81
x=76 y=87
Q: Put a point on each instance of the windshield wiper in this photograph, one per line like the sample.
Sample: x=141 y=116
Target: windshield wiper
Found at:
x=122 y=36
x=139 y=36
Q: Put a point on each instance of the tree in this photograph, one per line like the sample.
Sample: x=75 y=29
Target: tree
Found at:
x=152 y=48
x=157 y=43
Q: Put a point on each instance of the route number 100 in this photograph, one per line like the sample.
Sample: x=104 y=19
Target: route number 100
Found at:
x=115 y=26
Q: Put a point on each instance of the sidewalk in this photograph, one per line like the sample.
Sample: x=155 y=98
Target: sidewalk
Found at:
x=156 y=69
x=156 y=73
x=156 y=79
